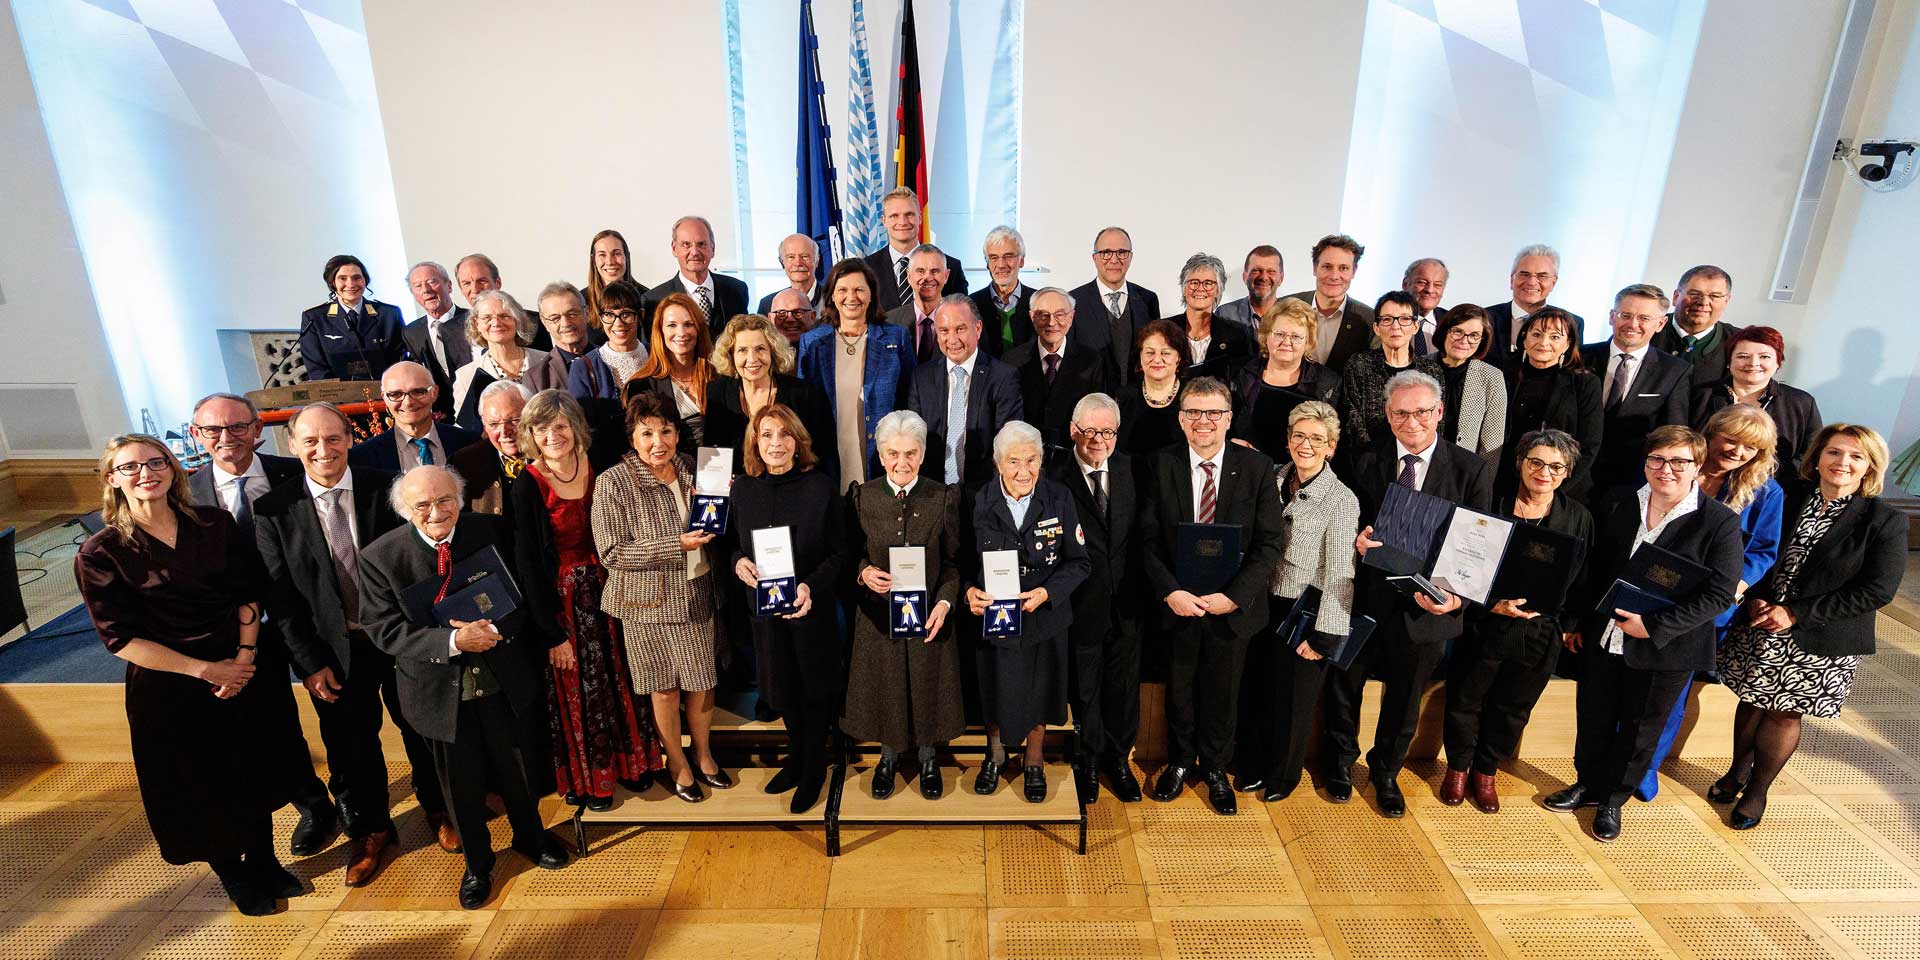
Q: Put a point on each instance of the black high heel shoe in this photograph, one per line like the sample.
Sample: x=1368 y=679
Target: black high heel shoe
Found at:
x=1740 y=821
x=690 y=792
x=1725 y=791
x=718 y=779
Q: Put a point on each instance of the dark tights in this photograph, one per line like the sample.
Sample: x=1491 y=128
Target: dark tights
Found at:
x=257 y=857
x=1763 y=741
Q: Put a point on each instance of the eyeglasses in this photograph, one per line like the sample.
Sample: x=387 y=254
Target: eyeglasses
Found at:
x=427 y=508
x=1402 y=416
x=778 y=315
x=1048 y=316
x=1678 y=466
x=1713 y=297
x=1464 y=337
x=1307 y=440
x=511 y=423
x=417 y=395
x=1100 y=434
x=1113 y=254
x=1538 y=465
x=154 y=465
x=1287 y=337
x=1008 y=258
x=1210 y=416
x=212 y=431
x=618 y=316
x=574 y=314
x=1203 y=284
x=1396 y=321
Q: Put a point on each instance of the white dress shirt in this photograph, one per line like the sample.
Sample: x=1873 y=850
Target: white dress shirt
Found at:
x=1419 y=469
x=1106 y=294
x=1194 y=460
x=1518 y=319
x=1614 y=638
x=1616 y=356
x=693 y=289
x=433 y=338
x=230 y=488
x=317 y=491
x=1327 y=328
x=1017 y=506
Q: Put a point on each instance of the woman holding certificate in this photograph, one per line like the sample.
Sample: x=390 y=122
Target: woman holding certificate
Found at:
x=660 y=586
x=903 y=681
x=1664 y=562
x=1805 y=625
x=792 y=527
x=1497 y=675
x=1033 y=556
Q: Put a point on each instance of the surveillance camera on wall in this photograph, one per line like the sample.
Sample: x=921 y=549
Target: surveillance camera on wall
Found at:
x=1893 y=163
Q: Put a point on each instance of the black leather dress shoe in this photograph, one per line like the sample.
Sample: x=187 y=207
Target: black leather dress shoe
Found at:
x=277 y=882
x=1572 y=798
x=1278 y=790
x=1172 y=780
x=883 y=777
x=932 y=785
x=546 y=852
x=718 y=779
x=1086 y=782
x=639 y=784
x=1126 y=787
x=315 y=832
x=1606 y=824
x=1340 y=784
x=988 y=780
x=1393 y=804
x=599 y=804
x=1036 y=777
x=475 y=888
x=1248 y=783
x=1220 y=794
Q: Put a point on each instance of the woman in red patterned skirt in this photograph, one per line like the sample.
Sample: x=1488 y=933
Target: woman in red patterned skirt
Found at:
x=597 y=736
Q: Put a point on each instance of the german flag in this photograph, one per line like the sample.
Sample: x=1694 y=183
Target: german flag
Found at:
x=910 y=149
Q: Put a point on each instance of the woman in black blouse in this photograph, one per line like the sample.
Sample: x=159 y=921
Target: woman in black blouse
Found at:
x=798 y=652
x=1149 y=412
x=755 y=365
x=1549 y=388
x=1216 y=349
x=1268 y=387
x=173 y=589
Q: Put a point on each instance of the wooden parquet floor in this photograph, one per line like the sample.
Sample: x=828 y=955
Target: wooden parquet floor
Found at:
x=1833 y=872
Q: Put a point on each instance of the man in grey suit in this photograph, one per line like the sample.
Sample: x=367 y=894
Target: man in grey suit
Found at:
x=1110 y=309
x=1642 y=386
x=1262 y=272
x=965 y=398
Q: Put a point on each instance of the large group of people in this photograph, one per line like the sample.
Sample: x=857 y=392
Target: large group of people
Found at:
x=1008 y=508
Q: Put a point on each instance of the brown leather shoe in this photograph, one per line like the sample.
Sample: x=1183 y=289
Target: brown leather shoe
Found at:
x=1453 y=788
x=367 y=851
x=443 y=832
x=1485 y=796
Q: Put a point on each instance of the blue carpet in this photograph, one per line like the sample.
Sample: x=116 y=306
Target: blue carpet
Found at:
x=63 y=650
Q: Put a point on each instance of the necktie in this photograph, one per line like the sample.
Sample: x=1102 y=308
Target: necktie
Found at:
x=1100 y=493
x=1617 y=384
x=443 y=565
x=1113 y=304
x=1209 y=495
x=900 y=278
x=925 y=351
x=706 y=301
x=956 y=423
x=1408 y=478
x=900 y=495
x=242 y=509
x=1052 y=364
x=425 y=450
x=333 y=523
x=1687 y=345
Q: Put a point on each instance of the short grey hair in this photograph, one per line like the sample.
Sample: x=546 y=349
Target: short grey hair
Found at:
x=1013 y=436
x=1406 y=277
x=1060 y=292
x=499 y=387
x=901 y=422
x=236 y=398
x=929 y=249
x=1207 y=261
x=1095 y=403
x=437 y=268
x=1536 y=250
x=397 y=499
x=1004 y=232
x=690 y=218
x=960 y=300
x=1565 y=445
x=340 y=414
x=1320 y=412
x=1411 y=380
x=522 y=326
x=560 y=288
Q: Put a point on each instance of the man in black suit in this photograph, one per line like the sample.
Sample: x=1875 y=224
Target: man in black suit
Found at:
x=926 y=276
x=1054 y=371
x=1642 y=387
x=1345 y=324
x=721 y=298
x=1697 y=336
x=476 y=273
x=469 y=687
x=792 y=314
x=1426 y=282
x=234 y=479
x=437 y=339
x=1106 y=614
x=901 y=212
x=311 y=530
x=1208 y=480
x=1410 y=635
x=1111 y=308
x=1536 y=270
x=416 y=438
x=487 y=469
x=800 y=258
x=1004 y=303
x=965 y=397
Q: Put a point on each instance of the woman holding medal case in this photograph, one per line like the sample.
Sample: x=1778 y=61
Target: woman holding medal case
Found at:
x=1023 y=666
x=796 y=634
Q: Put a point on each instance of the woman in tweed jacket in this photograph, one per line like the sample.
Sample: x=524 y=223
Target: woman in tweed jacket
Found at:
x=1473 y=391
x=660 y=586
x=1283 y=676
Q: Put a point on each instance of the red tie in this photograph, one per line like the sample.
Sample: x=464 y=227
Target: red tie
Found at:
x=1209 y=495
x=443 y=565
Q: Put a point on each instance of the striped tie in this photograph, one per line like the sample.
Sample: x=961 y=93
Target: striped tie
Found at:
x=956 y=423
x=1209 y=495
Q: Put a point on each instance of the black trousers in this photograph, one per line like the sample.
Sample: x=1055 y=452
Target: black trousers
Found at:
x=1280 y=690
x=1204 y=660
x=801 y=671
x=489 y=751
x=1620 y=712
x=1404 y=667
x=1489 y=698
x=350 y=729
x=1106 y=692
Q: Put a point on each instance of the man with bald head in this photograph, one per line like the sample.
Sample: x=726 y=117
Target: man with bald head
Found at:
x=468 y=686
x=489 y=468
x=311 y=530
x=415 y=437
x=792 y=314
x=720 y=297
x=1110 y=309
x=437 y=338
x=800 y=260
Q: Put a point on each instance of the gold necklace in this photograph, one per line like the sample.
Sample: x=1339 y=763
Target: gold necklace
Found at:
x=850 y=342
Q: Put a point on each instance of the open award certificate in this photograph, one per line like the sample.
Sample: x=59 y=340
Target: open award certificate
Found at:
x=1469 y=556
x=773 y=554
x=712 y=484
x=907 y=606
x=1000 y=578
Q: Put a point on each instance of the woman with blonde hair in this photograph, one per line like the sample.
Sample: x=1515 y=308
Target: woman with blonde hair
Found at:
x=1268 y=388
x=174 y=590
x=755 y=364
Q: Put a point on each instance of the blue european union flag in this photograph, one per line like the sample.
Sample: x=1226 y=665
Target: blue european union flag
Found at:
x=816 y=190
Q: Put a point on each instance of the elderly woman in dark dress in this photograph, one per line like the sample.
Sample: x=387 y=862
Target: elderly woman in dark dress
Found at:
x=798 y=652
x=173 y=589
x=904 y=694
x=1023 y=679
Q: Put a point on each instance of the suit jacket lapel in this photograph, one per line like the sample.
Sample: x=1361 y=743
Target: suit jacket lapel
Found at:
x=1183 y=483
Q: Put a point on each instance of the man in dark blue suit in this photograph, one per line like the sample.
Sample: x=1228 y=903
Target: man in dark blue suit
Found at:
x=437 y=339
x=416 y=438
x=1110 y=309
x=961 y=425
x=722 y=298
x=900 y=211
x=800 y=258
x=1643 y=387
x=1536 y=270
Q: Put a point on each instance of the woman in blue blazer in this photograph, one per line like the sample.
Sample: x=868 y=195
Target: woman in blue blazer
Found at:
x=851 y=332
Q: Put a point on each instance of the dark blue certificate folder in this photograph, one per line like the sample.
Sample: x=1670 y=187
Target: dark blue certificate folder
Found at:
x=480 y=589
x=1654 y=579
x=1206 y=557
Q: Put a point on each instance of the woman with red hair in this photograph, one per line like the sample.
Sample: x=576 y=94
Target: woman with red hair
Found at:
x=1754 y=358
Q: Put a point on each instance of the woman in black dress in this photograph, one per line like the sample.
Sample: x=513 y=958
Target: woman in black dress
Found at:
x=755 y=365
x=1283 y=376
x=173 y=589
x=1549 y=388
x=798 y=652
x=1149 y=406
